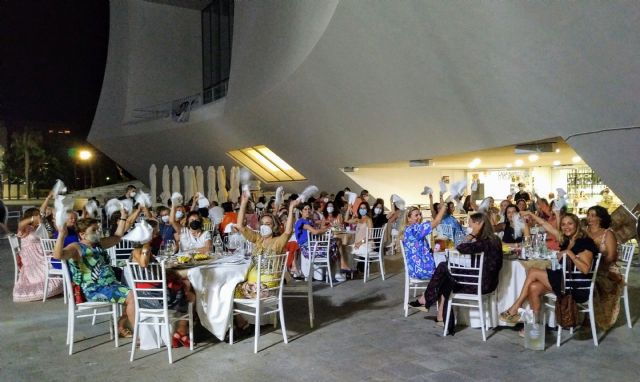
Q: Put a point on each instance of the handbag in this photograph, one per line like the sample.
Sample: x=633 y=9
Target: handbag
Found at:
x=566 y=310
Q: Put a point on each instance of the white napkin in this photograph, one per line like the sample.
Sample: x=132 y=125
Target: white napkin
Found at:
x=127 y=204
x=177 y=199
x=112 y=206
x=457 y=188
x=244 y=175
x=484 y=205
x=203 y=202
x=559 y=203
x=143 y=199
x=518 y=226
x=141 y=233
x=245 y=190
x=443 y=186
x=351 y=197
x=279 y=195
x=59 y=188
x=398 y=201
x=474 y=186
x=427 y=191
x=62 y=205
x=309 y=192
x=561 y=192
x=228 y=228
x=91 y=207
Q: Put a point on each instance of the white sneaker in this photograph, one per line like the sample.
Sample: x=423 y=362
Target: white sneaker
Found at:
x=340 y=277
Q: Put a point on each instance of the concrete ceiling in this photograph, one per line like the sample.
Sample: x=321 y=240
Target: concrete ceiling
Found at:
x=332 y=84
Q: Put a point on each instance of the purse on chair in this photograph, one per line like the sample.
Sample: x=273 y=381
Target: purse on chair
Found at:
x=566 y=310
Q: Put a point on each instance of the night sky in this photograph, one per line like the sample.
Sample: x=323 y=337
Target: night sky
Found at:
x=52 y=60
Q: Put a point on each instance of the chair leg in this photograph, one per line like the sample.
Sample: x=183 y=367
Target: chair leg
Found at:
x=71 y=329
x=482 y=325
x=93 y=320
x=64 y=292
x=282 y=324
x=190 y=310
x=366 y=268
x=626 y=306
x=446 y=321
x=310 y=301
x=406 y=296
x=134 y=339
x=168 y=332
x=592 y=318
x=382 y=266
x=257 y=333
x=329 y=274
x=46 y=285
x=559 y=336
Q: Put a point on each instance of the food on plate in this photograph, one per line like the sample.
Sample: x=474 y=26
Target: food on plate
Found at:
x=201 y=256
x=184 y=259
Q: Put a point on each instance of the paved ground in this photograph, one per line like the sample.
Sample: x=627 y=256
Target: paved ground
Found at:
x=361 y=335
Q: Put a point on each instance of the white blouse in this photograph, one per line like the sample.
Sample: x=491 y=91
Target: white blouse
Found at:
x=188 y=241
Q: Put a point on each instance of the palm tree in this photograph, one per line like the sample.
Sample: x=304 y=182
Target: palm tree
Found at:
x=26 y=145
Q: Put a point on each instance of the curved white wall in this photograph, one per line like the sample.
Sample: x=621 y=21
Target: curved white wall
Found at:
x=370 y=82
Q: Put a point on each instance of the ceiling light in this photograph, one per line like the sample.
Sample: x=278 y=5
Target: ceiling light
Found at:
x=556 y=163
x=557 y=151
x=519 y=162
x=509 y=165
x=474 y=163
x=533 y=157
x=265 y=164
x=576 y=159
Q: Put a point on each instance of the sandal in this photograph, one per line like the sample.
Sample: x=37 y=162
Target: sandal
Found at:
x=510 y=318
x=417 y=305
x=175 y=340
x=124 y=333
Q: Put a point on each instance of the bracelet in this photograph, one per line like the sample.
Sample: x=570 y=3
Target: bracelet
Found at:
x=123 y=219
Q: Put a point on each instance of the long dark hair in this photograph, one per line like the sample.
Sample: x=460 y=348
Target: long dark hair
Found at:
x=603 y=214
x=335 y=213
x=507 y=223
x=338 y=202
x=487 y=232
x=364 y=203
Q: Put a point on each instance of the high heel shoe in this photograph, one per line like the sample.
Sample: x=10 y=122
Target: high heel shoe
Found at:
x=175 y=340
x=184 y=340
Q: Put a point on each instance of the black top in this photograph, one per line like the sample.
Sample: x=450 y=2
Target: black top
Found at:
x=379 y=220
x=579 y=279
x=508 y=236
x=522 y=195
x=492 y=262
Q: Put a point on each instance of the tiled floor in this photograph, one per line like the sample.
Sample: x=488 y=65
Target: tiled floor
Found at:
x=361 y=335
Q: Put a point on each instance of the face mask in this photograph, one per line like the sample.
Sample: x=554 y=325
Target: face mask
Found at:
x=165 y=218
x=326 y=200
x=330 y=209
x=469 y=230
x=363 y=211
x=179 y=215
x=132 y=194
x=195 y=225
x=377 y=211
x=265 y=230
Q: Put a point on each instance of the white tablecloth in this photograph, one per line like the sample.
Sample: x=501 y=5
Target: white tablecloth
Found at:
x=215 y=286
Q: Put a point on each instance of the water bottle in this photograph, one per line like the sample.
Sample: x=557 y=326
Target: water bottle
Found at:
x=217 y=245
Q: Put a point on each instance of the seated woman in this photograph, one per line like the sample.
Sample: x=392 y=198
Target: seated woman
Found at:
x=332 y=215
x=89 y=265
x=481 y=239
x=178 y=290
x=304 y=225
x=578 y=247
x=191 y=237
x=609 y=281
x=266 y=242
x=363 y=222
x=509 y=236
x=419 y=259
x=30 y=284
x=379 y=218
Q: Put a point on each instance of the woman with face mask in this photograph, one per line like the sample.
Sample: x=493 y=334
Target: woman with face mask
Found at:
x=266 y=242
x=363 y=222
x=332 y=215
x=379 y=218
x=90 y=267
x=192 y=237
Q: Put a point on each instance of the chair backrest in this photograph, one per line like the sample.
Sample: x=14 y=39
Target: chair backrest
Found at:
x=207 y=225
x=374 y=238
x=153 y=273
x=14 y=243
x=319 y=244
x=47 y=248
x=66 y=284
x=273 y=266
x=404 y=260
x=120 y=252
x=574 y=279
x=466 y=268
x=625 y=254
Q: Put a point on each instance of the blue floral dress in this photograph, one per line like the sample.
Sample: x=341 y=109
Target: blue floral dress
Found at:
x=419 y=259
x=95 y=276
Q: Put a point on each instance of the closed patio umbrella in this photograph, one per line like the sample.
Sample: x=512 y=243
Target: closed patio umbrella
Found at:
x=223 y=195
x=234 y=182
x=152 y=183
x=186 y=179
x=166 y=185
x=175 y=179
x=212 y=195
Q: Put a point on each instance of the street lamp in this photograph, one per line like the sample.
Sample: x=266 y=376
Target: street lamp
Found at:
x=85 y=156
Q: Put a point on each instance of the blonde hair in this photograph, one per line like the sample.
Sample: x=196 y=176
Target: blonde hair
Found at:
x=405 y=220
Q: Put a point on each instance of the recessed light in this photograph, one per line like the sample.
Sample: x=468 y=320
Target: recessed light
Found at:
x=474 y=163
x=533 y=157
x=557 y=151
x=519 y=162
x=509 y=165
x=576 y=159
x=556 y=163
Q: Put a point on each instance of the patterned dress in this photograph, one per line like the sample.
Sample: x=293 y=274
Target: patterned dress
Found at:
x=30 y=285
x=419 y=259
x=95 y=276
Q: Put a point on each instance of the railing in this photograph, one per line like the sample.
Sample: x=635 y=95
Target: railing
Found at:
x=164 y=109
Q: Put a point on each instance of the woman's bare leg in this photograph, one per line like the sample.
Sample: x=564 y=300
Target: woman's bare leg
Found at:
x=534 y=275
